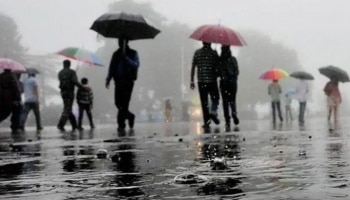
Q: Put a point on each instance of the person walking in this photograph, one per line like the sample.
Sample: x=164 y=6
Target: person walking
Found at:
x=333 y=99
x=274 y=90
x=228 y=73
x=31 y=101
x=10 y=99
x=288 y=107
x=205 y=60
x=302 y=91
x=85 y=102
x=123 y=70
x=168 y=111
x=68 y=81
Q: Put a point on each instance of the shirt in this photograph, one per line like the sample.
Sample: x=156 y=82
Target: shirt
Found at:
x=85 y=95
x=274 y=91
x=123 y=68
x=302 y=91
x=9 y=88
x=228 y=69
x=28 y=85
x=68 y=80
x=205 y=59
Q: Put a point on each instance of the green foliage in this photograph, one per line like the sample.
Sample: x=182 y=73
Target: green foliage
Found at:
x=10 y=39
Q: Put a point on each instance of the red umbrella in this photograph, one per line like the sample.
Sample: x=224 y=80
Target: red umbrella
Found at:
x=218 y=34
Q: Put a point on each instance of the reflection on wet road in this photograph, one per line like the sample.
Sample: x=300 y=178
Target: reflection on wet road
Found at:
x=259 y=162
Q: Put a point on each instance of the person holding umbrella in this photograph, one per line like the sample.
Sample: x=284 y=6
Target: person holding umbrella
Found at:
x=205 y=60
x=123 y=69
x=10 y=98
x=228 y=73
x=68 y=81
x=332 y=92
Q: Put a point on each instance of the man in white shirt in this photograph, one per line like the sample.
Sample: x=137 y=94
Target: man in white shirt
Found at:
x=302 y=90
x=31 y=102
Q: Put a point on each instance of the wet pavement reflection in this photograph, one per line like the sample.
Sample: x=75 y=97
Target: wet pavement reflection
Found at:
x=179 y=161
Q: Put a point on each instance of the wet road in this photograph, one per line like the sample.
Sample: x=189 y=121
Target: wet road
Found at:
x=263 y=162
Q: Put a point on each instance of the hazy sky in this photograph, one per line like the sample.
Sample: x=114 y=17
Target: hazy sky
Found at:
x=318 y=30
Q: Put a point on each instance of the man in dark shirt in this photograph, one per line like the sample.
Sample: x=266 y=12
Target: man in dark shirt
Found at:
x=123 y=69
x=10 y=99
x=68 y=81
x=206 y=59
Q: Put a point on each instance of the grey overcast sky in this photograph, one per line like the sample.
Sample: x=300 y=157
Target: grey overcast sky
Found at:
x=317 y=29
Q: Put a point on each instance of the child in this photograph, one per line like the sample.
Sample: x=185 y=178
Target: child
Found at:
x=288 y=102
x=274 y=90
x=85 y=101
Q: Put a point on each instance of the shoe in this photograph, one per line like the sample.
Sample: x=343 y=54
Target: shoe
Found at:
x=61 y=128
x=120 y=129
x=236 y=129
x=215 y=118
x=40 y=128
x=131 y=121
x=235 y=120
x=92 y=127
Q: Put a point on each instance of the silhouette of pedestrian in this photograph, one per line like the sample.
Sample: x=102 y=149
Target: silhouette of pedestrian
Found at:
x=205 y=60
x=123 y=70
x=274 y=90
x=68 y=81
x=10 y=99
x=228 y=73
x=85 y=102
x=31 y=102
x=334 y=99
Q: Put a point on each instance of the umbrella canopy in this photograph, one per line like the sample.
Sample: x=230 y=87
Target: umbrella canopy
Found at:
x=273 y=74
x=29 y=70
x=6 y=63
x=336 y=73
x=81 y=55
x=302 y=75
x=218 y=34
x=117 y=25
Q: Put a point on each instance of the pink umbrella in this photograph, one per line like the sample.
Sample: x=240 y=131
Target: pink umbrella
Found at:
x=218 y=34
x=6 y=63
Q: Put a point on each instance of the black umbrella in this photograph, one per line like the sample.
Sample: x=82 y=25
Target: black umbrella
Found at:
x=336 y=73
x=117 y=25
x=29 y=70
x=302 y=75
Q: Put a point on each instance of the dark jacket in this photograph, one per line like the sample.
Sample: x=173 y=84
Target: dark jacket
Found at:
x=123 y=68
x=228 y=69
x=85 y=95
x=68 y=80
x=9 y=89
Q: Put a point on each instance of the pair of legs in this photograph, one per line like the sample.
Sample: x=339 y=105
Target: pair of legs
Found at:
x=28 y=106
x=87 y=109
x=333 y=109
x=67 y=114
x=15 y=111
x=302 y=108
x=276 y=105
x=122 y=97
x=168 y=115
x=228 y=93
x=289 y=115
x=206 y=89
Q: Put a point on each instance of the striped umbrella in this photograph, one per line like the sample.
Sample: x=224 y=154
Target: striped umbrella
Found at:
x=274 y=74
x=81 y=55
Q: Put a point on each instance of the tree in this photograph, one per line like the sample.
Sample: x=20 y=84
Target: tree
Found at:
x=10 y=39
x=261 y=54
